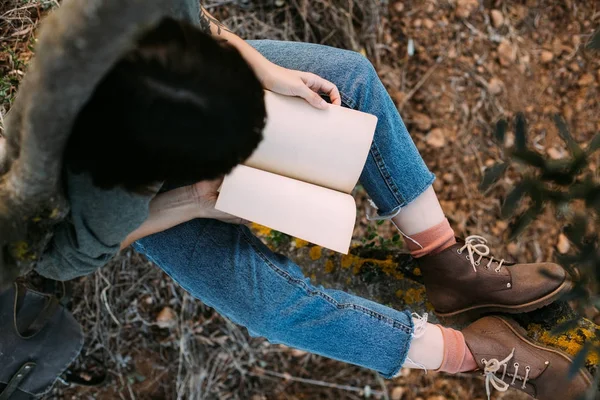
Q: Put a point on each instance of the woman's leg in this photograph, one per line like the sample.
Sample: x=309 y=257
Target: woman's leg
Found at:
x=232 y=271
x=458 y=276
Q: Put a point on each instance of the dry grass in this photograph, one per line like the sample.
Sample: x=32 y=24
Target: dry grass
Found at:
x=194 y=353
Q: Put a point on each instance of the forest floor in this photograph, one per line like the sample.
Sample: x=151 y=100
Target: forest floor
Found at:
x=453 y=68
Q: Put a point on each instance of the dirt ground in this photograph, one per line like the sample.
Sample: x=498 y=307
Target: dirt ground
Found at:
x=453 y=67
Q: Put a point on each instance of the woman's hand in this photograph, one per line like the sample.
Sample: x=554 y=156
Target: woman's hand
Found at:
x=205 y=194
x=275 y=78
x=306 y=85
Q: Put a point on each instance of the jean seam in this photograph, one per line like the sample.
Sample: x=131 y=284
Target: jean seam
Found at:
x=383 y=170
x=330 y=300
x=387 y=177
x=348 y=101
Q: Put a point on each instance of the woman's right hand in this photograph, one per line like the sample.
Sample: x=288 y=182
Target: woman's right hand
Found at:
x=205 y=194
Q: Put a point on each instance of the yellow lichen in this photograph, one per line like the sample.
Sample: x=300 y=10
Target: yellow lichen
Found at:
x=329 y=266
x=261 y=230
x=388 y=266
x=570 y=341
x=399 y=293
x=315 y=252
x=313 y=277
x=414 y=296
x=417 y=271
x=300 y=243
x=22 y=252
x=54 y=214
x=347 y=260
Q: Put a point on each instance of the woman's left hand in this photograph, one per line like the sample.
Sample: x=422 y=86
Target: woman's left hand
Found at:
x=307 y=85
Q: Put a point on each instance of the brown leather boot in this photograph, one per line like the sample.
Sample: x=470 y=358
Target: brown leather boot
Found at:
x=466 y=278
x=508 y=359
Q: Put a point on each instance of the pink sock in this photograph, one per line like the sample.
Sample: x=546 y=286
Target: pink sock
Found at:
x=431 y=241
x=457 y=356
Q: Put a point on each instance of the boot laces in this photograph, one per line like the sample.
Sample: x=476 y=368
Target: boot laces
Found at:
x=476 y=245
x=491 y=367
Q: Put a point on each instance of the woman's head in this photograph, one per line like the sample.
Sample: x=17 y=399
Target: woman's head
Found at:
x=180 y=107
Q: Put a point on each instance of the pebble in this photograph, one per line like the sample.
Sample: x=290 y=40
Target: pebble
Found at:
x=422 y=121
x=497 y=18
x=513 y=249
x=506 y=53
x=399 y=6
x=166 y=318
x=464 y=8
x=546 y=56
x=586 y=80
x=563 y=244
x=555 y=153
x=436 y=138
x=397 y=393
x=495 y=86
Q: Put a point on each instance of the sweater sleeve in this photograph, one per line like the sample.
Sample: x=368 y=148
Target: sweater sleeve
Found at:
x=92 y=233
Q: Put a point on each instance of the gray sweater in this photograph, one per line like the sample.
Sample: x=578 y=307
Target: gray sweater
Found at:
x=93 y=231
x=101 y=219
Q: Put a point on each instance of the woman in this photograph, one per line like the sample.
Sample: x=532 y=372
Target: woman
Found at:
x=186 y=108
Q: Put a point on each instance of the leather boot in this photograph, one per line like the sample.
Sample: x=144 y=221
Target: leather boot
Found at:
x=466 y=278
x=508 y=359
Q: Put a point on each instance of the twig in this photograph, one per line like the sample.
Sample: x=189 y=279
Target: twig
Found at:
x=289 y=377
x=463 y=178
x=105 y=300
x=421 y=82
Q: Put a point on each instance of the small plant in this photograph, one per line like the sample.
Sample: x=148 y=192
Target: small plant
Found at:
x=570 y=186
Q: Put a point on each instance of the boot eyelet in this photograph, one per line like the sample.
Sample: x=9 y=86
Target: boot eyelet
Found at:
x=478 y=263
x=459 y=252
x=516 y=365
x=497 y=270
x=483 y=360
x=468 y=258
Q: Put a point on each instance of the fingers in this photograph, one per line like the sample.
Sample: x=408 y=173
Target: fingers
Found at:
x=312 y=97
x=320 y=85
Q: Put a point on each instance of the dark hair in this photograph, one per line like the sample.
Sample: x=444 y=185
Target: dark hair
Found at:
x=181 y=107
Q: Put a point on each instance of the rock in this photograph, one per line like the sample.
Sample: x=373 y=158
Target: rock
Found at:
x=436 y=138
x=464 y=8
x=546 y=56
x=574 y=67
x=399 y=6
x=563 y=244
x=166 y=318
x=422 y=121
x=568 y=112
x=448 y=177
x=586 y=80
x=298 y=353
x=398 y=96
x=397 y=393
x=555 y=153
x=495 y=86
x=429 y=24
x=497 y=18
x=507 y=54
x=513 y=249
x=438 y=397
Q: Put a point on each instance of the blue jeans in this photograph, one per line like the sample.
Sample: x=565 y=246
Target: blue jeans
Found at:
x=231 y=270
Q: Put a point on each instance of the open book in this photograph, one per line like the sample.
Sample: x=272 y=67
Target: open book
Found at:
x=299 y=179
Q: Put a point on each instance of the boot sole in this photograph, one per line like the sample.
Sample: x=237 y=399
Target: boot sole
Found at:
x=476 y=311
x=521 y=333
